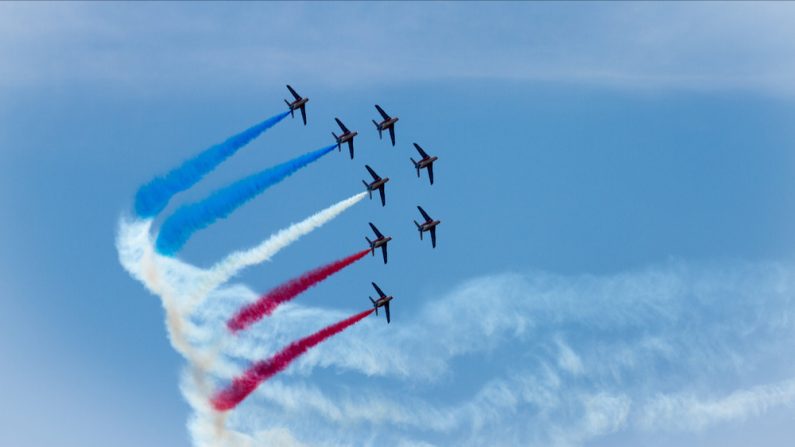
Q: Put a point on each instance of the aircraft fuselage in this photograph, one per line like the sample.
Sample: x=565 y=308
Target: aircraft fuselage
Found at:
x=381 y=241
x=381 y=302
x=386 y=124
x=295 y=105
x=428 y=225
x=425 y=162
x=347 y=136
x=377 y=184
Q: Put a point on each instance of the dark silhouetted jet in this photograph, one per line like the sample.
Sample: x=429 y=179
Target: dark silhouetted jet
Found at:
x=299 y=103
x=380 y=241
x=347 y=135
x=377 y=183
x=383 y=301
x=428 y=225
x=387 y=123
x=425 y=162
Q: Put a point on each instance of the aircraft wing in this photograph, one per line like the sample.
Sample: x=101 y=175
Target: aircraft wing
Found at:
x=430 y=172
x=296 y=95
x=433 y=236
x=381 y=111
x=392 y=134
x=375 y=230
x=383 y=250
x=422 y=152
x=303 y=114
x=350 y=147
x=342 y=126
x=386 y=307
x=382 y=190
x=370 y=170
x=378 y=289
x=424 y=214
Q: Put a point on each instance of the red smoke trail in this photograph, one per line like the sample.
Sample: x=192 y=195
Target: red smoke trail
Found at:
x=246 y=383
x=267 y=303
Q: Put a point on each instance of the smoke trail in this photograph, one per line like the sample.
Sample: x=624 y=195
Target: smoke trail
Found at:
x=267 y=303
x=245 y=384
x=188 y=219
x=153 y=197
x=237 y=261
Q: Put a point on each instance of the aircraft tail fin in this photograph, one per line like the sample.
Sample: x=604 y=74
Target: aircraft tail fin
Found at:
x=380 y=131
x=376 y=307
x=292 y=111
x=418 y=228
x=416 y=166
x=370 y=191
x=372 y=246
x=336 y=138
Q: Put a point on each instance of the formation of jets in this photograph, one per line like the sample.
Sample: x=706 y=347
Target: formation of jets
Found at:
x=378 y=183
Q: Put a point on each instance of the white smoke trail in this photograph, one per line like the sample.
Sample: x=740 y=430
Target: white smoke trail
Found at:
x=181 y=287
x=230 y=266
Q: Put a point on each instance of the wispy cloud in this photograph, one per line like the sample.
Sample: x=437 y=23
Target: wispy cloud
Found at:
x=688 y=411
x=648 y=45
x=548 y=359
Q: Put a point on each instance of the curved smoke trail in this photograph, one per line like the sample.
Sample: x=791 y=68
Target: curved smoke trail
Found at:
x=231 y=265
x=246 y=383
x=178 y=228
x=153 y=197
x=267 y=303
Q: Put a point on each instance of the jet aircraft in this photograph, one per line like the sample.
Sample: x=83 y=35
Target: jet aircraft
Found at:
x=347 y=135
x=425 y=162
x=387 y=123
x=380 y=241
x=377 y=183
x=428 y=225
x=299 y=103
x=383 y=301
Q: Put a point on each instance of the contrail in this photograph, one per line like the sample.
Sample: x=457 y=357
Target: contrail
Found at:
x=246 y=383
x=153 y=197
x=177 y=229
x=267 y=303
x=228 y=267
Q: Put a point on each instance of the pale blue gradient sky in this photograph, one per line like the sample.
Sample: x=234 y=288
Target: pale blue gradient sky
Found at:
x=576 y=139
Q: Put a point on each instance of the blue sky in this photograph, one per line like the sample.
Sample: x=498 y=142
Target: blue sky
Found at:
x=615 y=184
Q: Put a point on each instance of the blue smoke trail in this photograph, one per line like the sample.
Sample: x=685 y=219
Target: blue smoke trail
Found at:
x=153 y=197
x=178 y=228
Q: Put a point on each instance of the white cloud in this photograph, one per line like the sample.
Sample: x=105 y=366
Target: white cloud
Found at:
x=687 y=411
x=558 y=360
